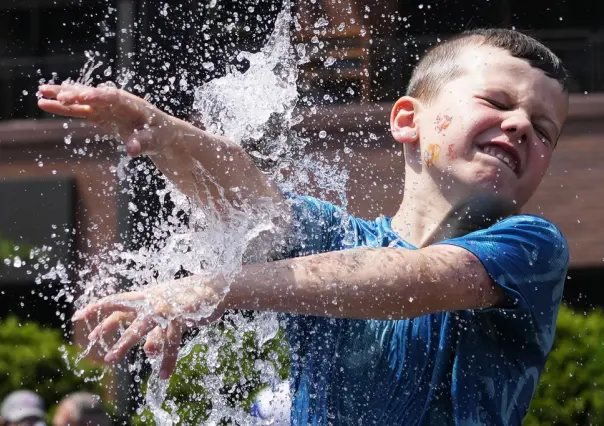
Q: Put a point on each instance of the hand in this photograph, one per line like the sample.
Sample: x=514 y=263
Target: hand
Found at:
x=134 y=121
x=160 y=312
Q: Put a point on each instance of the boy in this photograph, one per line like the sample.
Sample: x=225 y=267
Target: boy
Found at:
x=422 y=319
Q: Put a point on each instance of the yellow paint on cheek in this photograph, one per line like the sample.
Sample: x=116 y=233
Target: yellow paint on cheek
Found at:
x=431 y=154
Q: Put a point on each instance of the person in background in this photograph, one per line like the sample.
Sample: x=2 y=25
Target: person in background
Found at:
x=81 y=409
x=22 y=408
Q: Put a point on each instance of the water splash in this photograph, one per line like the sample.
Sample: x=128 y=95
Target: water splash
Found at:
x=255 y=109
x=239 y=105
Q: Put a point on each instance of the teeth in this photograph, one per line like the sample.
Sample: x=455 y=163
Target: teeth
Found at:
x=501 y=155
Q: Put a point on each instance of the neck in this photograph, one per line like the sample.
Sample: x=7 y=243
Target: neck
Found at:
x=427 y=216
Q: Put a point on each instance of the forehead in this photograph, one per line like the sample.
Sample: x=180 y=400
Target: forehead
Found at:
x=491 y=68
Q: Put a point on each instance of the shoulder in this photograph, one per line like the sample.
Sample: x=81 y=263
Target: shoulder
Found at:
x=320 y=226
x=530 y=237
x=525 y=255
x=537 y=225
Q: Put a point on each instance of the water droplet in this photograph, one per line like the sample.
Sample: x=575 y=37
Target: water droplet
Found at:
x=421 y=6
x=24 y=92
x=65 y=125
x=40 y=163
x=322 y=134
x=208 y=66
x=67 y=140
x=321 y=22
x=329 y=61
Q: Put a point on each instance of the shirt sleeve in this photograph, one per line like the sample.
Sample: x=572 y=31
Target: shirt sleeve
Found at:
x=528 y=257
x=317 y=226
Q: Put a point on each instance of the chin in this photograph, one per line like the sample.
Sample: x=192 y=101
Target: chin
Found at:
x=492 y=188
x=488 y=182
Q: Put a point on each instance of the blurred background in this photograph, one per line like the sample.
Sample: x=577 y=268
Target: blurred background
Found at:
x=58 y=182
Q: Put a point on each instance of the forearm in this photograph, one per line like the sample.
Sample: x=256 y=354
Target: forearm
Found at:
x=207 y=166
x=381 y=283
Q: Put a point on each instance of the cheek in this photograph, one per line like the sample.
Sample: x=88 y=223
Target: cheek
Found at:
x=541 y=156
x=539 y=161
x=451 y=152
x=442 y=123
x=431 y=154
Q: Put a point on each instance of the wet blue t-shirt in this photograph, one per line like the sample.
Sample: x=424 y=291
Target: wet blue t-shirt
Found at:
x=472 y=367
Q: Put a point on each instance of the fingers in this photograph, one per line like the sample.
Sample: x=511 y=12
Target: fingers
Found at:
x=70 y=94
x=56 y=107
x=112 y=323
x=173 y=335
x=155 y=342
x=125 y=302
x=50 y=90
x=120 y=113
x=133 y=334
x=115 y=103
x=165 y=342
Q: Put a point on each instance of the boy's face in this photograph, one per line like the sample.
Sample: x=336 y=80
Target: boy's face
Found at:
x=493 y=129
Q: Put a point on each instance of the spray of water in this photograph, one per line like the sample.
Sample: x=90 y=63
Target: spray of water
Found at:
x=254 y=109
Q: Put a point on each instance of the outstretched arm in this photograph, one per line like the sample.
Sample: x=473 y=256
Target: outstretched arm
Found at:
x=366 y=283
x=200 y=164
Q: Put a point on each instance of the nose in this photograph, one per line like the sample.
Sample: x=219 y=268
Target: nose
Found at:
x=517 y=126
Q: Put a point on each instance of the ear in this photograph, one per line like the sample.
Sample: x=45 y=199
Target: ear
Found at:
x=403 y=124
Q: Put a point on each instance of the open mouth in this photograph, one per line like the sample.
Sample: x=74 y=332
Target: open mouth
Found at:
x=504 y=154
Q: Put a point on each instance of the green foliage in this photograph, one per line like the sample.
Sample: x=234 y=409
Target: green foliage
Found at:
x=34 y=358
x=7 y=249
x=571 y=390
x=237 y=364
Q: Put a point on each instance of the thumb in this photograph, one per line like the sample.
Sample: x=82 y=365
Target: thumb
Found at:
x=139 y=142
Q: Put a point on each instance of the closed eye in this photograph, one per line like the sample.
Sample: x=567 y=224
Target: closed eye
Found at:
x=543 y=136
x=497 y=105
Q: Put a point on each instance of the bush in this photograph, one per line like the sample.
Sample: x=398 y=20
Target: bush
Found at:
x=35 y=358
x=241 y=377
x=571 y=390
